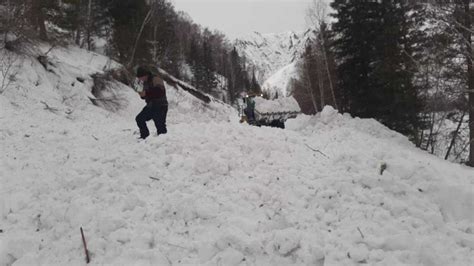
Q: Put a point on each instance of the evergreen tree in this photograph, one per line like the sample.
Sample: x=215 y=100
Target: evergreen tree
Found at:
x=209 y=79
x=396 y=96
x=84 y=20
x=373 y=48
x=162 y=36
x=195 y=60
x=128 y=16
x=235 y=75
x=357 y=27
x=254 y=85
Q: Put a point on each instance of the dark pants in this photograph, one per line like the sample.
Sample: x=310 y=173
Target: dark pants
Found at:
x=156 y=112
x=250 y=113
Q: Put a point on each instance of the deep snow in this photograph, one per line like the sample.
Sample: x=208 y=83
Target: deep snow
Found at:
x=213 y=191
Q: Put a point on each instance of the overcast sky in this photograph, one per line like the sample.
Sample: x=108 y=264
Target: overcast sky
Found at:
x=240 y=17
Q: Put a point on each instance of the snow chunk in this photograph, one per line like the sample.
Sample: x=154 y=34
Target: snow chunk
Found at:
x=286 y=242
x=287 y=104
x=328 y=114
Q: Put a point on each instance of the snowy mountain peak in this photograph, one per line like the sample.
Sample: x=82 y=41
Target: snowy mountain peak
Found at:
x=270 y=53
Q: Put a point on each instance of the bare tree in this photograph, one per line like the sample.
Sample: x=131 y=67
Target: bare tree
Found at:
x=455 y=135
x=467 y=34
x=89 y=26
x=308 y=84
x=460 y=22
x=317 y=14
x=8 y=69
x=146 y=20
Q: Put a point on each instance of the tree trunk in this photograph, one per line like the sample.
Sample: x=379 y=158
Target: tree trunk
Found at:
x=9 y=21
x=40 y=20
x=154 y=51
x=309 y=88
x=89 y=26
x=325 y=58
x=320 y=75
x=430 y=136
x=145 y=21
x=78 y=37
x=470 y=76
x=455 y=135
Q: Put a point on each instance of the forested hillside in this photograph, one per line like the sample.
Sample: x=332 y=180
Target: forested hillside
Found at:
x=132 y=32
x=407 y=64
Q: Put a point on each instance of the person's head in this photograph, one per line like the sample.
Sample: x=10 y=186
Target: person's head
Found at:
x=143 y=73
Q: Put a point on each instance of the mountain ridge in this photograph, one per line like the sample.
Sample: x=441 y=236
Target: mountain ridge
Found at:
x=269 y=53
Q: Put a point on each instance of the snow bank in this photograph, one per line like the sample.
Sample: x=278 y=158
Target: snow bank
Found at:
x=216 y=192
x=287 y=104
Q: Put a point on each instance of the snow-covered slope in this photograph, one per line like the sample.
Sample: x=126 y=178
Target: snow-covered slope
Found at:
x=274 y=56
x=213 y=191
x=279 y=84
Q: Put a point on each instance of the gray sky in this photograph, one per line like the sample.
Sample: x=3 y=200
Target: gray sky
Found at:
x=239 y=17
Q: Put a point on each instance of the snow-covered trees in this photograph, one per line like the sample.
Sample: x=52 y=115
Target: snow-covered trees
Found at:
x=409 y=65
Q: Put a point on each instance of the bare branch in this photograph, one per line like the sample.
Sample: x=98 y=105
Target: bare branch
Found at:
x=8 y=69
x=49 y=108
x=318 y=151
x=145 y=21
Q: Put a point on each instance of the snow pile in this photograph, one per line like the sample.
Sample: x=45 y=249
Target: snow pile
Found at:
x=288 y=104
x=333 y=190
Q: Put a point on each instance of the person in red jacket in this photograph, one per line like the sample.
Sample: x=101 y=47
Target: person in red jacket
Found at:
x=154 y=94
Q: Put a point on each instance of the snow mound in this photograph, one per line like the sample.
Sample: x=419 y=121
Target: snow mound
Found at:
x=331 y=190
x=288 y=104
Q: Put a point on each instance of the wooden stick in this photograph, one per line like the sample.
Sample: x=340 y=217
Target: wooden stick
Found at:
x=316 y=151
x=362 y=235
x=85 y=247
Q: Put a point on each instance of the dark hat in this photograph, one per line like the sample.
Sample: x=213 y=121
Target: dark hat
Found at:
x=142 y=71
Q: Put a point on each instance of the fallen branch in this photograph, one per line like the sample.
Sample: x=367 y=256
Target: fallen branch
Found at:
x=316 y=151
x=362 y=235
x=154 y=178
x=49 y=108
x=85 y=247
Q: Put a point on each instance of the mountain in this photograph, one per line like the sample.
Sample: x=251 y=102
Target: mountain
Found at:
x=274 y=57
x=329 y=190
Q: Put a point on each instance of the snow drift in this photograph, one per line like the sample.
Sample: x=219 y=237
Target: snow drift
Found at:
x=331 y=190
x=288 y=104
